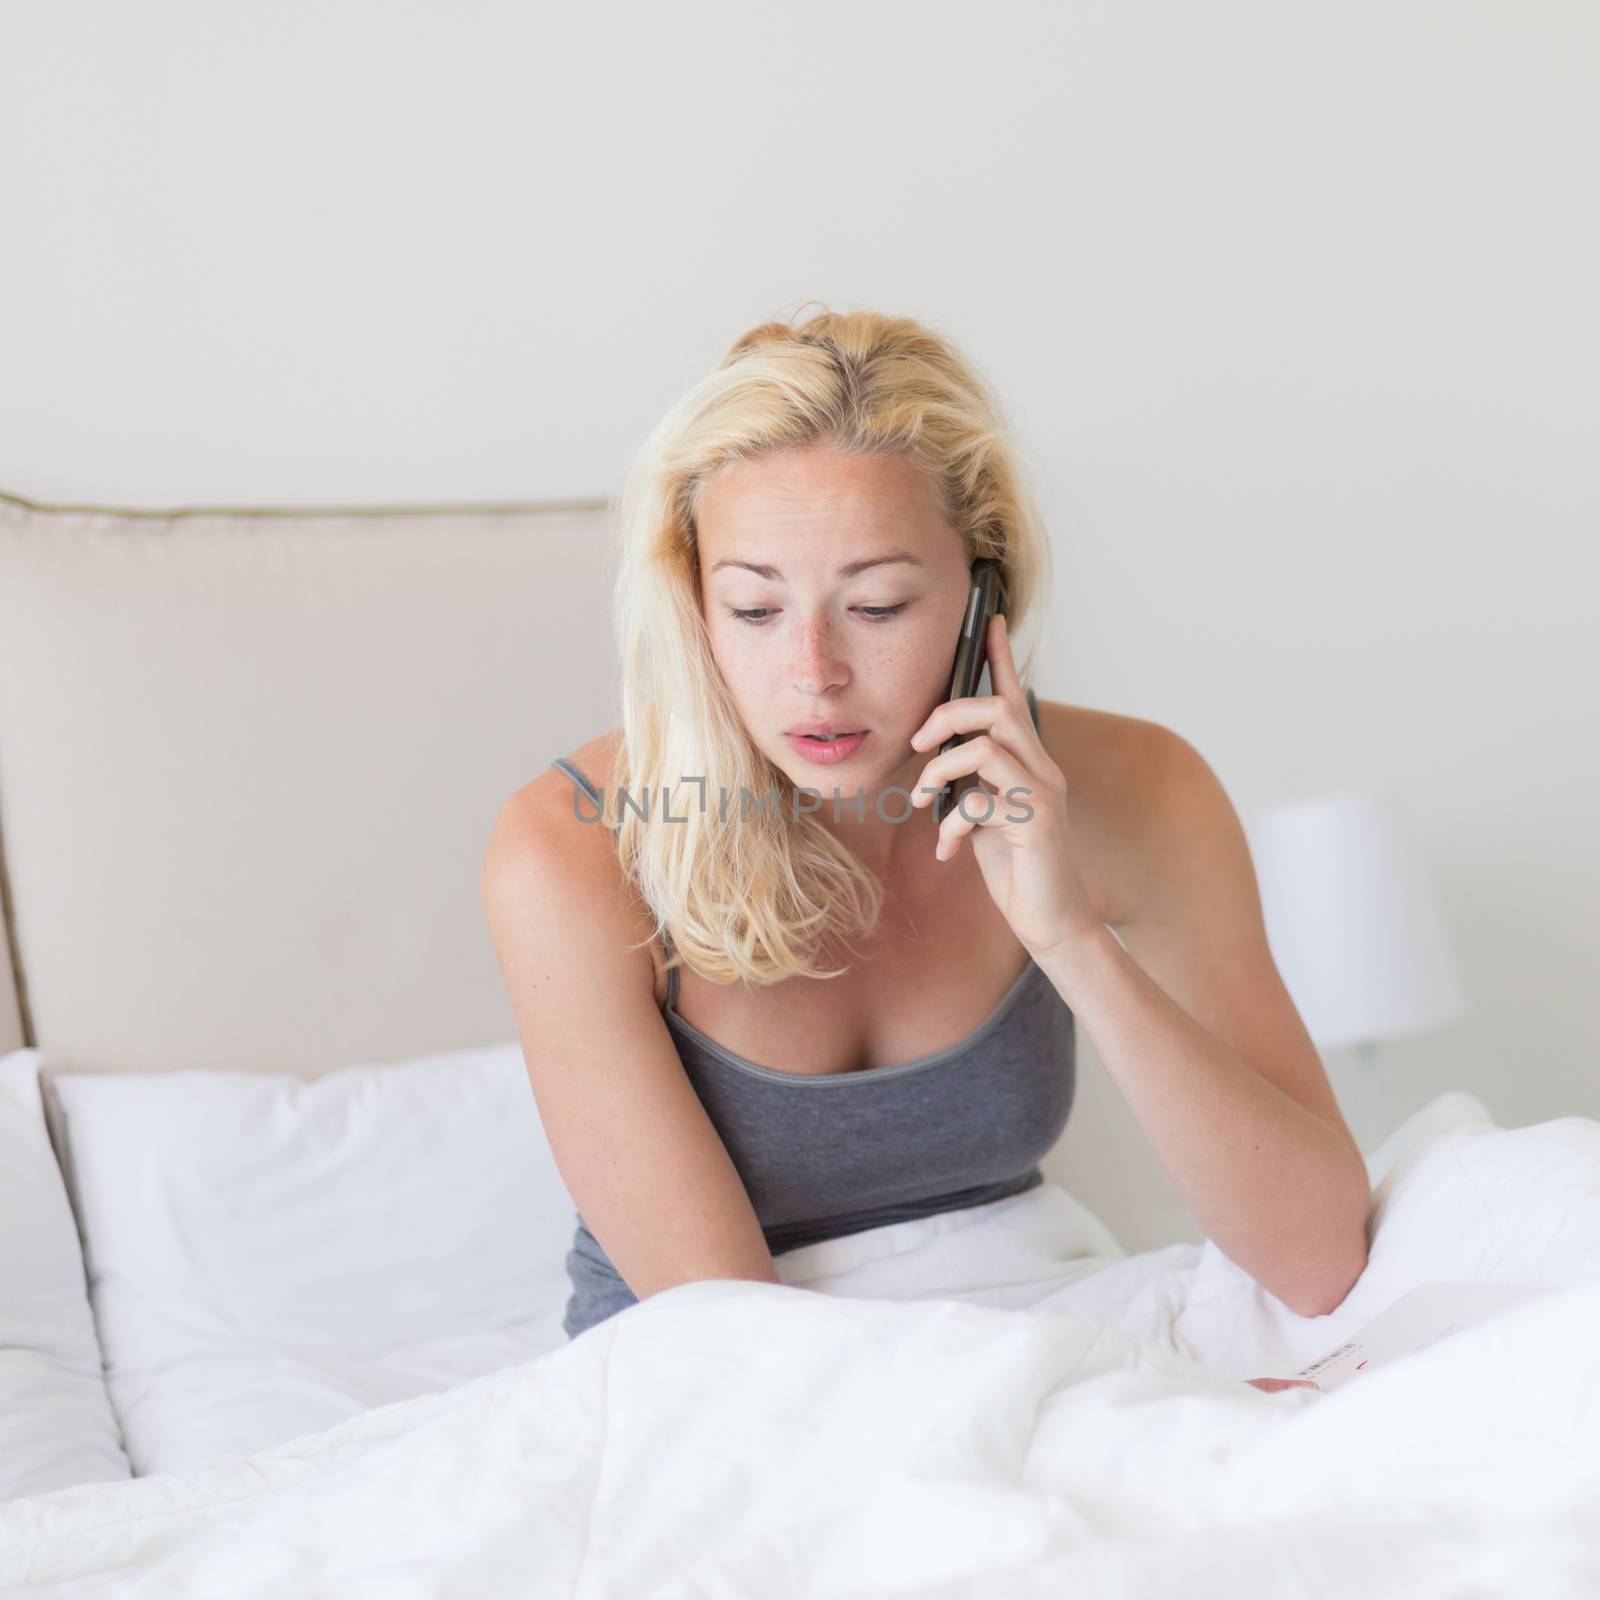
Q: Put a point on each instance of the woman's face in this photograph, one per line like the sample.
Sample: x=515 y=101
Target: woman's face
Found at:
x=840 y=633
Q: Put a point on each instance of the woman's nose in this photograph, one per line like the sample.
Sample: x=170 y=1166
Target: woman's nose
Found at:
x=816 y=666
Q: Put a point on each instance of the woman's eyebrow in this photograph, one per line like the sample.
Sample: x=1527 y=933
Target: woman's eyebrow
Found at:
x=848 y=570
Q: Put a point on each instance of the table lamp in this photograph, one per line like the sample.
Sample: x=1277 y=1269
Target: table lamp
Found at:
x=1354 y=928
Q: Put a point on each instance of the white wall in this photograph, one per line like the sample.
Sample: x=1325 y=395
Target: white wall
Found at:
x=1292 y=306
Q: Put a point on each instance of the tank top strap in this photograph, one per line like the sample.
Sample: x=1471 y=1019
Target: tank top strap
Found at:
x=562 y=764
x=672 y=972
x=576 y=774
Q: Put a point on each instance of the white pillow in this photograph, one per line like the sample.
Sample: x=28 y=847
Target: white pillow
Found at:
x=269 y=1256
x=1455 y=1108
x=56 y=1423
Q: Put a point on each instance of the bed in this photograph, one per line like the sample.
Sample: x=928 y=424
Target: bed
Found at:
x=282 y=1243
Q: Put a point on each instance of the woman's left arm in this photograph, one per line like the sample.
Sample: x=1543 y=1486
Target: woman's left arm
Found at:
x=1191 y=1019
x=1196 y=1028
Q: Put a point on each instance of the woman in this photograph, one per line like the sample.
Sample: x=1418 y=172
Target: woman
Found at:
x=781 y=1003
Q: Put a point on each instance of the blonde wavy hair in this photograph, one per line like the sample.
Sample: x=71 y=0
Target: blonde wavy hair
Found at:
x=756 y=897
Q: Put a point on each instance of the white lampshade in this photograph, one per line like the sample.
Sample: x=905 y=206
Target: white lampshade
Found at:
x=1352 y=921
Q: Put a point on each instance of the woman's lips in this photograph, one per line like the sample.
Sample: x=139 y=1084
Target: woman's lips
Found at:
x=827 y=752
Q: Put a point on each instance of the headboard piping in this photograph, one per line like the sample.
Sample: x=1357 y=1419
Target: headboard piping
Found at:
x=8 y=916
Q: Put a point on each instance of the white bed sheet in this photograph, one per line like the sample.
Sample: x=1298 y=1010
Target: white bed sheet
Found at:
x=901 y=1431
x=232 y=1327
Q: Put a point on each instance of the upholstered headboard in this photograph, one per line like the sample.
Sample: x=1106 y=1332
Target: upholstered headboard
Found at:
x=249 y=761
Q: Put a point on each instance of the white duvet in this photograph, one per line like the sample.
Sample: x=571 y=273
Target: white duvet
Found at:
x=989 y=1403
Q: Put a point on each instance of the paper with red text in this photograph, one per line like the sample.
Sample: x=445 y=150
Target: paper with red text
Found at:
x=1428 y=1313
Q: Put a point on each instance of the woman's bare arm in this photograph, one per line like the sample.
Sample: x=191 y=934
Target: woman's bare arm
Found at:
x=640 y=1157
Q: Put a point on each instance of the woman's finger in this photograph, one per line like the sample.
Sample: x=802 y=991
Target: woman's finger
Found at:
x=983 y=754
x=1003 y=676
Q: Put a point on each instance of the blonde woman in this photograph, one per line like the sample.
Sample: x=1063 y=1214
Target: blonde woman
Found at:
x=764 y=998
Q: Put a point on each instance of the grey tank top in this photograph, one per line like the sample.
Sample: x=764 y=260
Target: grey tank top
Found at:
x=825 y=1156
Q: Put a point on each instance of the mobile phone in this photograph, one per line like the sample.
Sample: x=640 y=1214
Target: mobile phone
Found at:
x=972 y=655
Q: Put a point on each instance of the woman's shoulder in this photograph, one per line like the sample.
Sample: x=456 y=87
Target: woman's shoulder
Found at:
x=551 y=819
x=551 y=814
x=548 y=797
x=1097 y=741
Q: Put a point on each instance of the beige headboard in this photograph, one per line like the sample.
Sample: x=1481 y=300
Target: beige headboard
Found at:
x=249 y=760
x=248 y=765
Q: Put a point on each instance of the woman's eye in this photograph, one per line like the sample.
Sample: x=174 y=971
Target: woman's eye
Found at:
x=756 y=616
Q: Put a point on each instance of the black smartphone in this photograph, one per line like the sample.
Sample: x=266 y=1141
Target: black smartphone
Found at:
x=972 y=655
